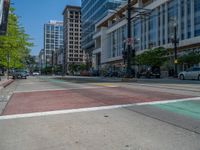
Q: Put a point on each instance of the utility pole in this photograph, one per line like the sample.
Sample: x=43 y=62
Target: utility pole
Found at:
x=52 y=62
x=64 y=63
x=130 y=52
x=175 y=41
x=46 y=64
x=8 y=64
x=175 y=51
x=129 y=39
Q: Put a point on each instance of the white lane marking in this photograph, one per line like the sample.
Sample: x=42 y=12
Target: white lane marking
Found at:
x=38 y=90
x=69 y=111
x=174 y=87
x=64 y=89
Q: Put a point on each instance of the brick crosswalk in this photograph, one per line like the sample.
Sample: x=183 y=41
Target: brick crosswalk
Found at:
x=29 y=102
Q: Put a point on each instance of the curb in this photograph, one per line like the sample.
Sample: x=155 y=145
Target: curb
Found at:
x=128 y=80
x=5 y=84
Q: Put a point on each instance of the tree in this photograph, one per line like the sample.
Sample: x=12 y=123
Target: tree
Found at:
x=73 y=68
x=153 y=57
x=15 y=45
x=30 y=62
x=82 y=67
x=77 y=67
x=190 y=58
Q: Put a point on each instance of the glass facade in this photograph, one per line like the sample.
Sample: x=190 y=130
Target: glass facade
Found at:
x=117 y=39
x=158 y=28
x=92 y=11
x=196 y=18
x=53 y=38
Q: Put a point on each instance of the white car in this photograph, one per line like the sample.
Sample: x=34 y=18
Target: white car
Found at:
x=191 y=73
x=36 y=73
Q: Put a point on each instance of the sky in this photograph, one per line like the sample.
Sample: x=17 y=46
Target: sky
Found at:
x=33 y=14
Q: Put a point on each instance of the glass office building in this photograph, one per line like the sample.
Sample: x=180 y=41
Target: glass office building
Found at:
x=154 y=30
x=53 y=39
x=92 y=11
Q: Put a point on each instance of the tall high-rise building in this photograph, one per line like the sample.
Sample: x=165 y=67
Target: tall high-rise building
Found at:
x=53 y=39
x=92 y=11
x=72 y=36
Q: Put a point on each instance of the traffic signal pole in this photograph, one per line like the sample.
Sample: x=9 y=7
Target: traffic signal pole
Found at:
x=129 y=40
x=130 y=52
x=175 y=52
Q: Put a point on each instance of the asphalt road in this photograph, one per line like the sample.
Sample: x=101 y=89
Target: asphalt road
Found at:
x=48 y=113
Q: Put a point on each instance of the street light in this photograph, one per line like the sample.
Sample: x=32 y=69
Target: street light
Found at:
x=52 y=62
x=175 y=41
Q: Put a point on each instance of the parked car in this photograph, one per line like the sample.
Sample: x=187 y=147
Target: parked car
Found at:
x=149 y=72
x=16 y=74
x=27 y=73
x=35 y=73
x=111 y=73
x=191 y=73
x=94 y=72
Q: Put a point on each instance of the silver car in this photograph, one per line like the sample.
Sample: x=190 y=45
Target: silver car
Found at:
x=191 y=73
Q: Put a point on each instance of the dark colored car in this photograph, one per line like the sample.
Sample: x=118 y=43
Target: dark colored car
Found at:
x=19 y=74
x=111 y=74
x=149 y=72
x=94 y=72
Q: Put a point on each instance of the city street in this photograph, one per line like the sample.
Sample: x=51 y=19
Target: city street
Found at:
x=73 y=113
x=100 y=75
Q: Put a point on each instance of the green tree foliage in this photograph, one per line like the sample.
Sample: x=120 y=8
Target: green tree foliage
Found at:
x=190 y=58
x=77 y=67
x=82 y=67
x=153 y=57
x=30 y=62
x=73 y=68
x=14 y=46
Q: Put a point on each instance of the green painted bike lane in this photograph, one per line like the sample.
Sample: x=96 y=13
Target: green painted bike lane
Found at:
x=186 y=108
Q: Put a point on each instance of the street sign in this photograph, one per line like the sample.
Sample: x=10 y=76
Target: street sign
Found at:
x=1 y=11
x=129 y=41
x=4 y=10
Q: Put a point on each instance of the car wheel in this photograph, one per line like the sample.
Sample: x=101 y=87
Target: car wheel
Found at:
x=182 y=77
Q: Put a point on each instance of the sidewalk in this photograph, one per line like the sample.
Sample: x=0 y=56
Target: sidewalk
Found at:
x=84 y=79
x=4 y=82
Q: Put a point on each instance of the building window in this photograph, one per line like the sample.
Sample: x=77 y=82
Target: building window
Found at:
x=197 y=17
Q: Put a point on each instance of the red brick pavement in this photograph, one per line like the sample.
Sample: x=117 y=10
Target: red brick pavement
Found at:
x=29 y=102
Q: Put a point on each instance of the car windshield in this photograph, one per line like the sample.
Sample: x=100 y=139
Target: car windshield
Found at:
x=196 y=69
x=190 y=69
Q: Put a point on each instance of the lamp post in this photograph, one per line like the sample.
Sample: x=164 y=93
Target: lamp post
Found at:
x=52 y=62
x=8 y=64
x=63 y=62
x=129 y=40
x=175 y=41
